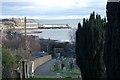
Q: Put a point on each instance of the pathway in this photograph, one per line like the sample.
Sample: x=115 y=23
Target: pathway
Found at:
x=44 y=70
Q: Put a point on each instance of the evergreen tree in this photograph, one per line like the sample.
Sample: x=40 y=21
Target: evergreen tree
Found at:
x=89 y=47
x=112 y=41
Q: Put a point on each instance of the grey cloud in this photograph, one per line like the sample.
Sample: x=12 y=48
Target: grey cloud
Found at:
x=8 y=8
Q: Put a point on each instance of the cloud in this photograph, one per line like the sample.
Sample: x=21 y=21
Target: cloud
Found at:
x=113 y=0
x=47 y=17
x=53 y=2
x=53 y=8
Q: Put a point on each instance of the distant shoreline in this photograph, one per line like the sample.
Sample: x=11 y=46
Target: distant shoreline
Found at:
x=32 y=28
x=54 y=27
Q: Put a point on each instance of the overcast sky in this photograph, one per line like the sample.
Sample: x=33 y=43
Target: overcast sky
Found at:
x=52 y=9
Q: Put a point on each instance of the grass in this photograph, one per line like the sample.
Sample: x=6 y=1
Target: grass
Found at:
x=52 y=78
x=45 y=77
x=75 y=71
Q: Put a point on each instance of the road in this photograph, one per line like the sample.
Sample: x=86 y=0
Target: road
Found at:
x=44 y=70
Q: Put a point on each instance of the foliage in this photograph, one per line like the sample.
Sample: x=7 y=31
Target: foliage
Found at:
x=89 y=47
x=50 y=46
x=112 y=41
x=53 y=78
x=75 y=71
x=16 y=43
x=8 y=64
x=57 y=67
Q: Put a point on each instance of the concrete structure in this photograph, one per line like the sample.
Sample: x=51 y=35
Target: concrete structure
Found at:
x=55 y=25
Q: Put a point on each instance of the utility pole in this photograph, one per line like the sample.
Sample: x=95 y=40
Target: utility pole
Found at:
x=24 y=65
x=25 y=34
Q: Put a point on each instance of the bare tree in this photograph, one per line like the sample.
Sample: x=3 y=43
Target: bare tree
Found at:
x=72 y=35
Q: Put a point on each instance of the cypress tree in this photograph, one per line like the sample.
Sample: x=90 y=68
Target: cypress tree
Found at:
x=112 y=41
x=89 y=47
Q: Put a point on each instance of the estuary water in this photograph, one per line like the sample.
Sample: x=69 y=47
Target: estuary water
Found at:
x=62 y=35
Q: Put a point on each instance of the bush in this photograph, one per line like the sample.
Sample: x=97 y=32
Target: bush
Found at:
x=8 y=64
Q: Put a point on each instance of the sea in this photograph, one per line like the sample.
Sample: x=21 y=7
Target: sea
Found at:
x=61 y=35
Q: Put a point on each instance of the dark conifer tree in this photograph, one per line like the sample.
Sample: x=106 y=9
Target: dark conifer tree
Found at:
x=112 y=41
x=89 y=47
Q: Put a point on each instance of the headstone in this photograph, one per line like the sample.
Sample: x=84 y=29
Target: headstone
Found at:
x=64 y=68
x=71 y=66
x=56 y=66
x=58 y=75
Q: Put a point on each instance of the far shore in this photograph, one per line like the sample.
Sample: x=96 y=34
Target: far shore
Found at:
x=32 y=28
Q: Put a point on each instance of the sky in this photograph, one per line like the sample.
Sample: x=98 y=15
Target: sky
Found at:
x=52 y=9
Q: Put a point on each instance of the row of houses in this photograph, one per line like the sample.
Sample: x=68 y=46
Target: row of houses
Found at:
x=19 y=23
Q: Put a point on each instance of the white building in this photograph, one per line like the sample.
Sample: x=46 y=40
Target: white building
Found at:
x=55 y=25
x=31 y=24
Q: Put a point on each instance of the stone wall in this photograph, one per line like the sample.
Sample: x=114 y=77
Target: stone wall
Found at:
x=32 y=65
x=41 y=60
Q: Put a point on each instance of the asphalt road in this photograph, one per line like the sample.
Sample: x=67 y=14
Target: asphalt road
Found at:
x=44 y=70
